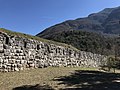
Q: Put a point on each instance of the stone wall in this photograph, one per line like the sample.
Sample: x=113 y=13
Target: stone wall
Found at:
x=18 y=53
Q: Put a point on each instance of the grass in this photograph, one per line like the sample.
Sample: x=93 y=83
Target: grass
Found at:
x=10 y=80
x=11 y=33
x=60 y=78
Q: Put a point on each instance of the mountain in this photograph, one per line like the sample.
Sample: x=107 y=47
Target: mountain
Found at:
x=105 y=21
x=89 y=33
x=89 y=41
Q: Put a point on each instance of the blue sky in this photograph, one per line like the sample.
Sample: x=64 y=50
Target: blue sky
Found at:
x=33 y=16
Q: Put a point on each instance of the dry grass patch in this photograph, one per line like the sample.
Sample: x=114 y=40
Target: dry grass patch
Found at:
x=10 y=80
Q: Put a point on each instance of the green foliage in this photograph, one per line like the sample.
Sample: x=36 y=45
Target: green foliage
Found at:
x=113 y=62
x=87 y=41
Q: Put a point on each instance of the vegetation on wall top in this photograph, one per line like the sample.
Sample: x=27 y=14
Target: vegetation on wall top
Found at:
x=11 y=33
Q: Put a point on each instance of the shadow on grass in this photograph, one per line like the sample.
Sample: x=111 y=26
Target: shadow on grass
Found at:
x=90 y=80
x=35 y=87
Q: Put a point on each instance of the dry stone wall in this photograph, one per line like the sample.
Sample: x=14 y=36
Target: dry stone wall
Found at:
x=18 y=53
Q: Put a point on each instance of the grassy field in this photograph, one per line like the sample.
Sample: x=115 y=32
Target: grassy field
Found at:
x=60 y=78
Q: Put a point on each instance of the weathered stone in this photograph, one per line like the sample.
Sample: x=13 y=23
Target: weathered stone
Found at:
x=16 y=69
x=20 y=53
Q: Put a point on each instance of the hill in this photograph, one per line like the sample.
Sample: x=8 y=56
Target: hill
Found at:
x=89 y=41
x=105 y=21
x=96 y=33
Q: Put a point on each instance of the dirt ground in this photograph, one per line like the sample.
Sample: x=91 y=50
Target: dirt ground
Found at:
x=63 y=78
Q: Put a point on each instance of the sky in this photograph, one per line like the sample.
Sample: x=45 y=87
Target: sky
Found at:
x=33 y=16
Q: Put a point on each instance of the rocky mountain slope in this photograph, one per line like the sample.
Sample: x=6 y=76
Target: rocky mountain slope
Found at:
x=106 y=21
x=89 y=33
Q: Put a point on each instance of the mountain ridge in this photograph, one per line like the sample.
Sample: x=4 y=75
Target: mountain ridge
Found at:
x=96 y=22
x=96 y=33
